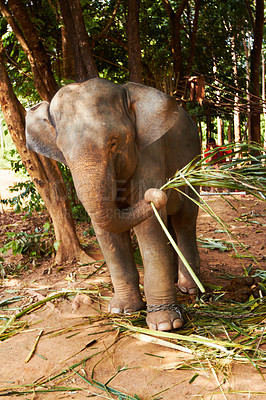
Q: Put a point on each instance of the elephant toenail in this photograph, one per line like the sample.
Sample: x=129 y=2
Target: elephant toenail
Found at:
x=177 y=323
x=153 y=326
x=115 y=311
x=183 y=289
x=164 y=326
x=128 y=311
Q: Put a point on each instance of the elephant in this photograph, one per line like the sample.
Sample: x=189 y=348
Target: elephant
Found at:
x=121 y=143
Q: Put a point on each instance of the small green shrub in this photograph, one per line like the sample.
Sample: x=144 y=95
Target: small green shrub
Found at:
x=12 y=269
x=37 y=244
x=28 y=200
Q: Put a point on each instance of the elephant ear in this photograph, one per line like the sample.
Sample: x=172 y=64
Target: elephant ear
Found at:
x=40 y=133
x=155 y=112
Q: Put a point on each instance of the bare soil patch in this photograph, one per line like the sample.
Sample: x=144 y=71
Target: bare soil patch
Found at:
x=8 y=178
x=73 y=330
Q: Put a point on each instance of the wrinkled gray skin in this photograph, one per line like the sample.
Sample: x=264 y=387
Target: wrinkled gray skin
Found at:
x=121 y=144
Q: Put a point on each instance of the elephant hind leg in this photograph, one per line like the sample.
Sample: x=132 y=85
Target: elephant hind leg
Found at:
x=184 y=224
x=174 y=256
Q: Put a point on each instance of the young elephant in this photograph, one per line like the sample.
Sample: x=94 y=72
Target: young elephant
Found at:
x=121 y=143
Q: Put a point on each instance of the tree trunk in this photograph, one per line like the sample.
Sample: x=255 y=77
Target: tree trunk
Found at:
x=220 y=136
x=237 y=125
x=175 y=29
x=77 y=35
x=264 y=98
x=44 y=172
x=247 y=54
x=67 y=56
x=176 y=45
x=193 y=37
x=220 y=132
x=133 y=39
x=208 y=122
x=255 y=73
x=229 y=133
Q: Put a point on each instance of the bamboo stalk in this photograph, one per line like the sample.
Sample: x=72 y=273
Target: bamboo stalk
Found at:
x=217 y=344
x=217 y=380
x=34 y=347
x=150 y=339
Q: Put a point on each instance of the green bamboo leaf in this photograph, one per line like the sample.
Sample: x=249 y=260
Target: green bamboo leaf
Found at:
x=9 y=322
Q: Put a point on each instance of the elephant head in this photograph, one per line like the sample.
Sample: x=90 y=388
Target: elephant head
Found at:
x=98 y=129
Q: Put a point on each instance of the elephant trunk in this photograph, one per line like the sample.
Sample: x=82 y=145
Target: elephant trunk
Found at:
x=96 y=188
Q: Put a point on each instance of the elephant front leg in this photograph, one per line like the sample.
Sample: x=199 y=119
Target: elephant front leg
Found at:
x=118 y=254
x=163 y=311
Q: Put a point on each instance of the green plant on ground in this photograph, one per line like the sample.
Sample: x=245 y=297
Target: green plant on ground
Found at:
x=36 y=244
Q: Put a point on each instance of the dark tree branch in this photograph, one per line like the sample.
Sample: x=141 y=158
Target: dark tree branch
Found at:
x=255 y=65
x=175 y=27
x=193 y=36
x=250 y=13
x=117 y=41
x=108 y=25
x=79 y=41
x=133 y=40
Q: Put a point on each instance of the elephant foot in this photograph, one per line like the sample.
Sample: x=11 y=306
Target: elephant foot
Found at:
x=126 y=306
x=164 y=317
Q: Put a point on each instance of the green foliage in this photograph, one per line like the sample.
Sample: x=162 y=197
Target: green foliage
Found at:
x=218 y=23
x=89 y=232
x=109 y=50
x=16 y=164
x=18 y=68
x=155 y=37
x=28 y=200
x=7 y=146
x=36 y=244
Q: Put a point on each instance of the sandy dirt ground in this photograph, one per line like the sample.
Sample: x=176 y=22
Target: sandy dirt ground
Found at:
x=7 y=179
x=74 y=330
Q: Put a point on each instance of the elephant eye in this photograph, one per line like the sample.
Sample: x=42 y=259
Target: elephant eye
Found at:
x=113 y=144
